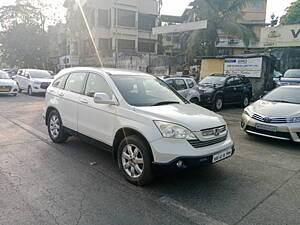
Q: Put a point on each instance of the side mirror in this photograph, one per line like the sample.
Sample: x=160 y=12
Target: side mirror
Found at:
x=103 y=98
x=27 y=76
x=280 y=78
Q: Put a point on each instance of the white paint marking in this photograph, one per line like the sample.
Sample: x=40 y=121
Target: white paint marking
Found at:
x=190 y=213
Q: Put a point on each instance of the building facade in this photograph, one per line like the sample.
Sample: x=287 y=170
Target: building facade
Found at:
x=120 y=29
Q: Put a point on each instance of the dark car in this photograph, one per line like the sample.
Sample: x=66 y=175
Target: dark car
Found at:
x=291 y=77
x=218 y=90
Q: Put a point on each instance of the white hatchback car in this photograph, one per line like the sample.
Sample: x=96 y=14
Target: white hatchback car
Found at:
x=33 y=81
x=138 y=117
x=7 y=85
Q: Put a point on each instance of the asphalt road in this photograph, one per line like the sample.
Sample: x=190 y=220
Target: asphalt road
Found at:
x=76 y=183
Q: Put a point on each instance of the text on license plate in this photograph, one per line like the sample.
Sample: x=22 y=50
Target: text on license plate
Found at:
x=222 y=155
x=4 y=89
x=265 y=127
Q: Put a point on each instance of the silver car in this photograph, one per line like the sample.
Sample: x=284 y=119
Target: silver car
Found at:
x=186 y=86
x=277 y=115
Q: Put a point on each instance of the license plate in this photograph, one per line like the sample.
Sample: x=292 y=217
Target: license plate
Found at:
x=266 y=127
x=4 y=89
x=222 y=155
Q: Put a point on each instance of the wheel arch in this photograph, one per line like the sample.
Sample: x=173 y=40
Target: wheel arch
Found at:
x=125 y=132
x=49 y=109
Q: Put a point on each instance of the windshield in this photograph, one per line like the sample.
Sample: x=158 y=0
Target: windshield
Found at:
x=277 y=74
x=146 y=91
x=213 y=80
x=284 y=94
x=40 y=74
x=4 y=75
x=292 y=74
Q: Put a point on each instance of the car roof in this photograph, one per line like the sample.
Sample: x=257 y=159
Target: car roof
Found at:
x=109 y=71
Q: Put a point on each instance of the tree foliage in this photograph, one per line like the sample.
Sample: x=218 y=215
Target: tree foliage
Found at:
x=292 y=15
x=222 y=16
x=23 y=39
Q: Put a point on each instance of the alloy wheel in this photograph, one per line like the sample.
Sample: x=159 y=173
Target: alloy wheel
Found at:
x=54 y=126
x=132 y=161
x=219 y=104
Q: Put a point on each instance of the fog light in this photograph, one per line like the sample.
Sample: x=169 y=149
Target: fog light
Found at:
x=179 y=164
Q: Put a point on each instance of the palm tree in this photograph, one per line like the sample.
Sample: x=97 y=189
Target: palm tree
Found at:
x=222 y=16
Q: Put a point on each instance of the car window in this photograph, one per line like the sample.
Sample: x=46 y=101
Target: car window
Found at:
x=230 y=82
x=75 y=82
x=97 y=84
x=171 y=83
x=190 y=83
x=237 y=81
x=60 y=82
x=180 y=84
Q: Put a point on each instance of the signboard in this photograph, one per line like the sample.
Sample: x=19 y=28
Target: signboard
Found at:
x=184 y=27
x=281 y=36
x=250 y=67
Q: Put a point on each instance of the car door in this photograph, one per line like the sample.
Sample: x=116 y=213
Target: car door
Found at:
x=26 y=80
x=232 y=90
x=20 y=78
x=96 y=120
x=69 y=98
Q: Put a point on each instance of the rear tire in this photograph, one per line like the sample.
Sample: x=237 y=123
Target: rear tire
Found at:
x=55 y=128
x=135 y=160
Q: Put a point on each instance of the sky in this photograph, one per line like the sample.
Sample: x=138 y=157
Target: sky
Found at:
x=169 y=7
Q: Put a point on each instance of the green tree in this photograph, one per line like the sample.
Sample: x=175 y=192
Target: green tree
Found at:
x=222 y=15
x=23 y=39
x=292 y=15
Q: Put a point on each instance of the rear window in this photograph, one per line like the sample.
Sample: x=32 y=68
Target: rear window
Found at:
x=292 y=74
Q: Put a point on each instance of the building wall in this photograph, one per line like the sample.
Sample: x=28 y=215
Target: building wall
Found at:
x=211 y=66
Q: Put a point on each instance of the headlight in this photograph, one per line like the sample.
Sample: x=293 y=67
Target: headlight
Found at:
x=209 y=91
x=295 y=120
x=248 y=112
x=171 y=130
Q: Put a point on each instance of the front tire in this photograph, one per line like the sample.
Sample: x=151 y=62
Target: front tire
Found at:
x=135 y=160
x=245 y=101
x=218 y=104
x=55 y=128
x=195 y=101
x=29 y=91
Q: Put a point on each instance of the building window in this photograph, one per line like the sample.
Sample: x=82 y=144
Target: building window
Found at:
x=91 y=18
x=126 y=45
x=126 y=18
x=104 y=18
x=146 y=45
x=87 y=47
x=105 y=45
x=146 y=22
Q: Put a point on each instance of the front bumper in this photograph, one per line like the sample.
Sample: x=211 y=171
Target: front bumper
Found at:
x=169 y=151
x=284 y=131
x=188 y=162
x=37 y=89
x=14 y=90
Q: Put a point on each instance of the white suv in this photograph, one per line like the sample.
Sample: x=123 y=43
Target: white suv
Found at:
x=138 y=117
x=33 y=81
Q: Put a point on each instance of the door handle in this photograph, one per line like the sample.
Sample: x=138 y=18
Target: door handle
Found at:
x=84 y=101
x=61 y=94
x=235 y=89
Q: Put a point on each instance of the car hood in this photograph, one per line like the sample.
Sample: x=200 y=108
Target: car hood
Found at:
x=190 y=116
x=42 y=80
x=290 y=80
x=7 y=82
x=275 y=109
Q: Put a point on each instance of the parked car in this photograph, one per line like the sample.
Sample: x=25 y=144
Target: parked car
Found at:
x=218 y=90
x=7 y=85
x=276 y=115
x=186 y=86
x=291 y=77
x=144 y=122
x=33 y=81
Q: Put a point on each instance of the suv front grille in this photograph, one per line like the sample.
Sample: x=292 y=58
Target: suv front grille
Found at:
x=201 y=144
x=5 y=87
x=270 y=119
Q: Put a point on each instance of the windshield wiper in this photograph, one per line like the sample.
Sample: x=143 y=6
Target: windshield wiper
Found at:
x=166 y=103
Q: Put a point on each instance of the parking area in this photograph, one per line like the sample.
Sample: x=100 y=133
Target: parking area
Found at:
x=77 y=183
